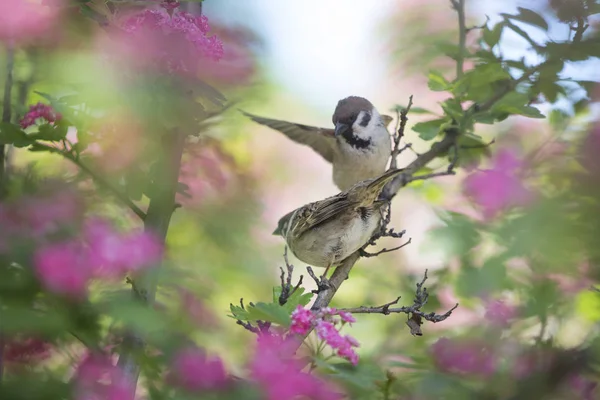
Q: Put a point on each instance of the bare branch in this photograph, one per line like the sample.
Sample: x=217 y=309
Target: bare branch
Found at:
x=286 y=283
x=384 y=250
x=399 y=134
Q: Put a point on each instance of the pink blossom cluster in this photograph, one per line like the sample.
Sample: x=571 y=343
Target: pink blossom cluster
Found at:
x=25 y=20
x=499 y=313
x=178 y=42
x=54 y=206
x=500 y=187
x=324 y=322
x=280 y=376
x=194 y=371
x=464 y=357
x=26 y=350
x=98 y=379
x=39 y=111
x=67 y=267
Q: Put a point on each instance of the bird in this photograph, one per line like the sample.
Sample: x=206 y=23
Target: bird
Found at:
x=324 y=233
x=358 y=146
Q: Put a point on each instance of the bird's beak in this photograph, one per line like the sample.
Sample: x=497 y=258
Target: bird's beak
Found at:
x=340 y=128
x=277 y=231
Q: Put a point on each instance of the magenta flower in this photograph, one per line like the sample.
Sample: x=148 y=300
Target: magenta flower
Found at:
x=500 y=187
x=174 y=43
x=194 y=371
x=584 y=387
x=98 y=379
x=280 y=376
x=463 y=357
x=499 y=313
x=343 y=345
x=39 y=111
x=346 y=317
x=25 y=20
x=302 y=321
x=26 y=350
x=63 y=268
x=113 y=254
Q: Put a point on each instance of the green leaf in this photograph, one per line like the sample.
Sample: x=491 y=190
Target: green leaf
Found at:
x=588 y=305
x=492 y=36
x=437 y=82
x=12 y=134
x=516 y=103
x=453 y=108
x=529 y=17
x=51 y=132
x=490 y=278
x=459 y=235
x=429 y=129
x=269 y=312
x=522 y=33
x=296 y=299
x=361 y=377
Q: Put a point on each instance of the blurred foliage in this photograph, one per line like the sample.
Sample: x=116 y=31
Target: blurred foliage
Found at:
x=112 y=147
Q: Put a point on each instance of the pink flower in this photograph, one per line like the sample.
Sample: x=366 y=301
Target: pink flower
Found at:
x=585 y=388
x=194 y=371
x=346 y=317
x=26 y=350
x=302 y=320
x=39 y=111
x=173 y=43
x=279 y=374
x=25 y=20
x=113 y=254
x=98 y=379
x=499 y=188
x=463 y=357
x=63 y=269
x=499 y=313
x=343 y=345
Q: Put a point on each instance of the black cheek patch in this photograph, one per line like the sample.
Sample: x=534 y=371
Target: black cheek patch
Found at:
x=365 y=120
x=354 y=140
x=364 y=213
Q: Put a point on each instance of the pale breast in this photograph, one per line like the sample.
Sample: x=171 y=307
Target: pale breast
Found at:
x=352 y=165
x=332 y=242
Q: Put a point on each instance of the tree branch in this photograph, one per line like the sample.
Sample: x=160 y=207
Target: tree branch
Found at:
x=6 y=118
x=101 y=181
x=399 y=134
x=459 y=6
x=157 y=221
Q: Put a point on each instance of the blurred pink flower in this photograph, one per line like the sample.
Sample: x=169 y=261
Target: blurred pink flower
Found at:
x=201 y=315
x=280 y=376
x=25 y=20
x=26 y=350
x=39 y=111
x=172 y=43
x=62 y=268
x=500 y=187
x=302 y=320
x=98 y=379
x=114 y=254
x=585 y=388
x=346 y=317
x=499 y=313
x=194 y=371
x=463 y=357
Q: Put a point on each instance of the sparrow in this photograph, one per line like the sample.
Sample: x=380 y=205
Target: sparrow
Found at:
x=326 y=232
x=358 y=146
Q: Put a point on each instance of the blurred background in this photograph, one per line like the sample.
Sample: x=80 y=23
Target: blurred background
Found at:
x=294 y=61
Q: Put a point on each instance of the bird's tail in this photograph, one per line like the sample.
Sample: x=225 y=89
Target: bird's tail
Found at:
x=379 y=183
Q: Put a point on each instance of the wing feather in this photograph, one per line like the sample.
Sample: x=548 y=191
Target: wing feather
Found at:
x=320 y=139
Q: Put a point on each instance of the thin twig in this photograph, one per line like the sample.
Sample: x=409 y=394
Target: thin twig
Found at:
x=6 y=118
x=286 y=283
x=459 y=6
x=399 y=134
x=433 y=175
x=384 y=250
x=101 y=181
x=579 y=30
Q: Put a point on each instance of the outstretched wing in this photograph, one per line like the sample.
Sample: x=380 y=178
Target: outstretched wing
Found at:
x=322 y=140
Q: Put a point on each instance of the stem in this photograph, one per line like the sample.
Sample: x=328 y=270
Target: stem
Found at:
x=157 y=221
x=6 y=117
x=98 y=179
x=459 y=6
